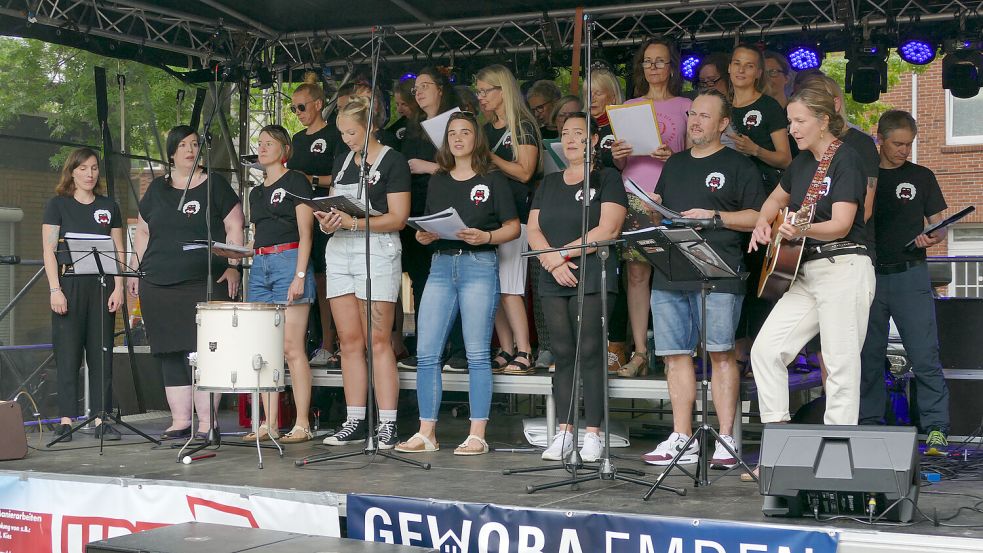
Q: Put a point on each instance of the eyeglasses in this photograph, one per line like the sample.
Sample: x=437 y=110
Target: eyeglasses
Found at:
x=300 y=108
x=658 y=64
x=482 y=92
x=422 y=87
x=462 y=115
x=536 y=110
x=709 y=82
x=775 y=72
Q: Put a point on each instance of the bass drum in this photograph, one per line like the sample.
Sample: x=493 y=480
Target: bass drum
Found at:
x=240 y=347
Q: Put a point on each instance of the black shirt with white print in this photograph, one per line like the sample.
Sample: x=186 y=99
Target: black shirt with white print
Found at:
x=864 y=145
x=166 y=261
x=757 y=121
x=607 y=139
x=560 y=208
x=313 y=154
x=274 y=212
x=501 y=144
x=484 y=202
x=906 y=196
x=725 y=181
x=70 y=215
x=844 y=182
x=392 y=175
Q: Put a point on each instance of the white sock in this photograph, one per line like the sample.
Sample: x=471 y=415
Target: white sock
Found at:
x=387 y=415
x=356 y=412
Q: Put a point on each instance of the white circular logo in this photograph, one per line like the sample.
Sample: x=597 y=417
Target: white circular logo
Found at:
x=374 y=177
x=715 y=181
x=401 y=133
x=752 y=118
x=480 y=194
x=191 y=208
x=607 y=142
x=319 y=146
x=103 y=217
x=825 y=186
x=905 y=191
x=278 y=195
x=580 y=194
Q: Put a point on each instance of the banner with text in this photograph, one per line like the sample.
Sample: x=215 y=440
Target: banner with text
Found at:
x=479 y=528
x=52 y=515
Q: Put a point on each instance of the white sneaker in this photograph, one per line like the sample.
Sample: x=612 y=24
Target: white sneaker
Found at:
x=591 y=451
x=561 y=447
x=722 y=459
x=664 y=453
x=320 y=358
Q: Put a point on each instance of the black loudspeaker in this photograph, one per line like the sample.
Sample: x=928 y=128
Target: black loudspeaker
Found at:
x=13 y=438
x=960 y=320
x=200 y=537
x=839 y=470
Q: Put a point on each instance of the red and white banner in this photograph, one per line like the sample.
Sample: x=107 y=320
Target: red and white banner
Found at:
x=41 y=514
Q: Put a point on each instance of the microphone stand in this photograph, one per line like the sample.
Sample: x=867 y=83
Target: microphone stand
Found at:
x=371 y=447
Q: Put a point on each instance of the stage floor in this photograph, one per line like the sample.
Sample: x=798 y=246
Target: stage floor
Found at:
x=472 y=479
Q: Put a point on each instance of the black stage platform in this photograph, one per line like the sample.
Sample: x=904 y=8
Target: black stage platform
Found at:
x=478 y=479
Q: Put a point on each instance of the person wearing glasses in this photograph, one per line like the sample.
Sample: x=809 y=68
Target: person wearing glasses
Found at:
x=712 y=74
x=313 y=153
x=388 y=193
x=541 y=97
x=464 y=278
x=555 y=222
x=513 y=132
x=657 y=78
x=777 y=76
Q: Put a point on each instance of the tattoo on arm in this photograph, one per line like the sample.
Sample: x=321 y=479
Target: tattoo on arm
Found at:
x=53 y=237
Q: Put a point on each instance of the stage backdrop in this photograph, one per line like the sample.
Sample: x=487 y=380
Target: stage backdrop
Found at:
x=480 y=528
x=50 y=514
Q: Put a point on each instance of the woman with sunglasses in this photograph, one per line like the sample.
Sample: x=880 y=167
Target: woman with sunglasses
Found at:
x=657 y=77
x=463 y=278
x=388 y=193
x=554 y=222
x=513 y=131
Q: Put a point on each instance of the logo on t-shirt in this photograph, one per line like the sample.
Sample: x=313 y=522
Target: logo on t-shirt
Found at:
x=401 y=133
x=374 y=177
x=752 y=118
x=278 y=195
x=507 y=139
x=580 y=194
x=319 y=146
x=715 y=181
x=905 y=192
x=824 y=186
x=103 y=217
x=191 y=208
x=480 y=194
x=607 y=142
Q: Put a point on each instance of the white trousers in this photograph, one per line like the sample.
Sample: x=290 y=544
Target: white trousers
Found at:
x=832 y=297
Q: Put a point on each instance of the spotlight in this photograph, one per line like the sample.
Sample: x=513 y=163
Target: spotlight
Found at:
x=264 y=78
x=691 y=60
x=916 y=50
x=866 y=73
x=407 y=76
x=961 y=68
x=804 y=56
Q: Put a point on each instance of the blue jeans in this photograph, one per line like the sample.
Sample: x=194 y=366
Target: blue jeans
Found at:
x=467 y=283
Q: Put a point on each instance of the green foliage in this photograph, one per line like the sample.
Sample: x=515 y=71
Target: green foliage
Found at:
x=866 y=115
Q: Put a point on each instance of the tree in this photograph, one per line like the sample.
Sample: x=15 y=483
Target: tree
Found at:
x=865 y=116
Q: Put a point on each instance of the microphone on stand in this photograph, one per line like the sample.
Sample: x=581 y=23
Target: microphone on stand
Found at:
x=686 y=222
x=9 y=259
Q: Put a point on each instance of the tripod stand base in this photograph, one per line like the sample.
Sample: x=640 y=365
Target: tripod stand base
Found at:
x=702 y=477
x=105 y=418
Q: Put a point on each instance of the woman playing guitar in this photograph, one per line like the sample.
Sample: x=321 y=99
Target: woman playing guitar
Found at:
x=835 y=283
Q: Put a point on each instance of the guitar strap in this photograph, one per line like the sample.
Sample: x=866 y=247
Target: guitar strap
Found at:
x=816 y=187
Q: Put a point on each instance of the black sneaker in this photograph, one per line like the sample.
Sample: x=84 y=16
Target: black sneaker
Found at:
x=456 y=365
x=62 y=430
x=108 y=433
x=407 y=363
x=352 y=432
x=386 y=434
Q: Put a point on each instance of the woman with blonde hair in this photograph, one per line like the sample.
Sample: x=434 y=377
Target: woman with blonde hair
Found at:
x=516 y=142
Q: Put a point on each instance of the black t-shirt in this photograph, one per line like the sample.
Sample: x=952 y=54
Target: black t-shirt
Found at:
x=314 y=153
x=864 y=145
x=398 y=130
x=757 y=121
x=417 y=145
x=724 y=181
x=607 y=139
x=844 y=182
x=548 y=133
x=274 y=212
x=560 y=208
x=391 y=176
x=165 y=261
x=906 y=196
x=483 y=202
x=501 y=145
x=98 y=217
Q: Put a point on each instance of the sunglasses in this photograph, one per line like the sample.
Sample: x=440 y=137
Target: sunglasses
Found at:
x=300 y=108
x=463 y=115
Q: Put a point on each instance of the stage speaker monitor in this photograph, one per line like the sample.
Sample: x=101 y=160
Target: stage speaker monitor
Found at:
x=13 y=439
x=839 y=470
x=960 y=320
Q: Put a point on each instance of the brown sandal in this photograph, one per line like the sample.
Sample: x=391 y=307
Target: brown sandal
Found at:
x=520 y=368
x=637 y=366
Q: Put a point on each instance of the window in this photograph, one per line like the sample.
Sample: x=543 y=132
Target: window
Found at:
x=967 y=278
x=963 y=120
x=8 y=218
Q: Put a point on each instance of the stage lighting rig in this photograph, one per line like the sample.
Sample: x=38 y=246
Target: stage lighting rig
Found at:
x=917 y=50
x=866 y=72
x=690 y=61
x=804 y=55
x=962 y=67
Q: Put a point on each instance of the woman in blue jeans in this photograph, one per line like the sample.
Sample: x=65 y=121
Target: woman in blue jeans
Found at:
x=463 y=278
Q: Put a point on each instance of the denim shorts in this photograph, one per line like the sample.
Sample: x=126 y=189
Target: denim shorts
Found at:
x=345 y=265
x=271 y=275
x=676 y=320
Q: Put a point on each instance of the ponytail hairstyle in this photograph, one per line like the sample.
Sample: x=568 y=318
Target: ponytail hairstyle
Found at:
x=357 y=109
x=481 y=162
x=312 y=87
x=820 y=103
x=78 y=156
x=282 y=136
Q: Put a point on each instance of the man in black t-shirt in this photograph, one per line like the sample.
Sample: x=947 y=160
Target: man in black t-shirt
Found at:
x=708 y=181
x=908 y=195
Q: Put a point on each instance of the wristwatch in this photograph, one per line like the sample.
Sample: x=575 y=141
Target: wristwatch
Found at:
x=315 y=181
x=301 y=274
x=565 y=254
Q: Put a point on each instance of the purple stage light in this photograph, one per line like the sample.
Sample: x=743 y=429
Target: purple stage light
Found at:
x=689 y=64
x=916 y=51
x=804 y=57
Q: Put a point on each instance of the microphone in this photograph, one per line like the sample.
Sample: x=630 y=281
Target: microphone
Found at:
x=9 y=259
x=685 y=222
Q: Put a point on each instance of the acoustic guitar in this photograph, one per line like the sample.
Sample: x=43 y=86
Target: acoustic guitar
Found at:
x=783 y=255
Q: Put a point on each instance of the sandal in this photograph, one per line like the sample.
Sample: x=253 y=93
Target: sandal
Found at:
x=745 y=477
x=638 y=365
x=468 y=450
x=264 y=434
x=425 y=445
x=498 y=367
x=297 y=434
x=616 y=357
x=520 y=368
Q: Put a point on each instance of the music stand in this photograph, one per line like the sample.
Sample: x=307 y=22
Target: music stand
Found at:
x=87 y=254
x=685 y=257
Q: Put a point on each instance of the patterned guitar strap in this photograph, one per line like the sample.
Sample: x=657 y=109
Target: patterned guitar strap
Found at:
x=816 y=188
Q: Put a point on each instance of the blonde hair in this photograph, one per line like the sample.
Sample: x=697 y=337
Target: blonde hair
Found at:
x=357 y=109
x=820 y=102
x=515 y=107
x=312 y=87
x=607 y=80
x=830 y=86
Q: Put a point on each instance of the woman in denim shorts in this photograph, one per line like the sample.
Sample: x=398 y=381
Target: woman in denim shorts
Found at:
x=387 y=192
x=283 y=231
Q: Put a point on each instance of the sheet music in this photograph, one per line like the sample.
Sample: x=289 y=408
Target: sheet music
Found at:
x=630 y=186
x=637 y=125
x=944 y=223
x=553 y=160
x=446 y=224
x=340 y=202
x=81 y=246
x=221 y=249
x=437 y=126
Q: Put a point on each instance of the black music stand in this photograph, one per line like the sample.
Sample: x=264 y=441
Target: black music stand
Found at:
x=87 y=255
x=685 y=257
